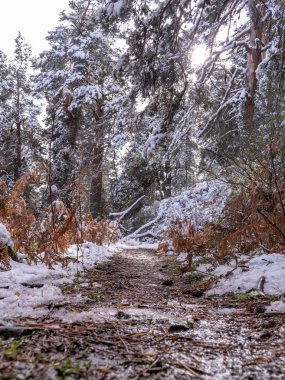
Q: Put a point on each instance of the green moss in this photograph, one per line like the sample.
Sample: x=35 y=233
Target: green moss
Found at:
x=14 y=346
x=72 y=370
x=95 y=297
x=7 y=376
x=245 y=296
x=191 y=277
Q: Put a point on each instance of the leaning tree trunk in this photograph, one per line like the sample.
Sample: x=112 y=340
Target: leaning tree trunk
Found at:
x=254 y=59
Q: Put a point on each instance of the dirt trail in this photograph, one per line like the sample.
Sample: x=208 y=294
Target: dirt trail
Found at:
x=133 y=318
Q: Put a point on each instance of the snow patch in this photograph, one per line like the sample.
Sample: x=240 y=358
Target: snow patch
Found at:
x=19 y=297
x=133 y=244
x=276 y=307
x=244 y=279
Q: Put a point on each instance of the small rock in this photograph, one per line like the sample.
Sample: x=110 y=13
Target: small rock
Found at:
x=20 y=377
x=32 y=285
x=270 y=324
x=167 y=282
x=266 y=335
x=260 y=309
x=197 y=293
x=190 y=322
x=178 y=328
x=122 y=315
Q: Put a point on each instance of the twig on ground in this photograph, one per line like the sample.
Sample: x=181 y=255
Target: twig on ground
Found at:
x=194 y=372
x=147 y=369
x=260 y=286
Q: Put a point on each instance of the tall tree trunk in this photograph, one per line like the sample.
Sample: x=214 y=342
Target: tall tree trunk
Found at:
x=63 y=152
x=18 y=158
x=97 y=182
x=96 y=187
x=254 y=58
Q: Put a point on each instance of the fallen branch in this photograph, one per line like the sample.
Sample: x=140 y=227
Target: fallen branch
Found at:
x=123 y=214
x=135 y=233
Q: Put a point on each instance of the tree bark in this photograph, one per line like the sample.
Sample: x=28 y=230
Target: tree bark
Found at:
x=18 y=158
x=96 y=187
x=63 y=152
x=254 y=59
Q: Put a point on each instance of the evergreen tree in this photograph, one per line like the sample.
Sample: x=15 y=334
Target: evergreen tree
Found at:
x=76 y=76
x=19 y=114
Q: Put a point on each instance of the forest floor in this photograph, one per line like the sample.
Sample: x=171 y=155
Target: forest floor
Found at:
x=136 y=317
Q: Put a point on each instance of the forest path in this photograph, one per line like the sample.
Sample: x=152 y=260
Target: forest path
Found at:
x=133 y=318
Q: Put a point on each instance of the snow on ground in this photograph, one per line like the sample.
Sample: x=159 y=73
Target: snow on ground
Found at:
x=19 y=299
x=276 y=307
x=133 y=244
x=243 y=279
x=203 y=203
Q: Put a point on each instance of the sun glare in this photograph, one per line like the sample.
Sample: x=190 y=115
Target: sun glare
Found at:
x=199 y=55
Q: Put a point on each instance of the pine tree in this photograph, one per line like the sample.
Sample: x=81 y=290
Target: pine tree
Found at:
x=19 y=121
x=76 y=76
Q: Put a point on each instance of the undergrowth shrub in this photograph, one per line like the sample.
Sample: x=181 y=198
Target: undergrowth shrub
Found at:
x=4 y=256
x=44 y=235
x=254 y=219
x=100 y=232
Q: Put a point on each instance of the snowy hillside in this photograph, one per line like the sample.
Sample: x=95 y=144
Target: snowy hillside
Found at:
x=203 y=203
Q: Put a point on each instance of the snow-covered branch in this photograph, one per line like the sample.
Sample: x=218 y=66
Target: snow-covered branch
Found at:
x=121 y=215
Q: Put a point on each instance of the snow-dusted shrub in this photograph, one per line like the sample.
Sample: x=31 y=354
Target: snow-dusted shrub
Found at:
x=252 y=219
x=183 y=237
x=203 y=203
x=99 y=232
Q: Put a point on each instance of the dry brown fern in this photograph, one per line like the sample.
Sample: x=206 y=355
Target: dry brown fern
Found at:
x=4 y=257
x=254 y=219
x=45 y=236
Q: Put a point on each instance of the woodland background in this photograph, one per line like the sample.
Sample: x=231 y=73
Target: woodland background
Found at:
x=128 y=116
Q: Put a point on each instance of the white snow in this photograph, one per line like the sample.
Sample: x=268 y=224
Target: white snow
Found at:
x=134 y=244
x=19 y=300
x=244 y=279
x=5 y=236
x=115 y=7
x=276 y=307
x=54 y=189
